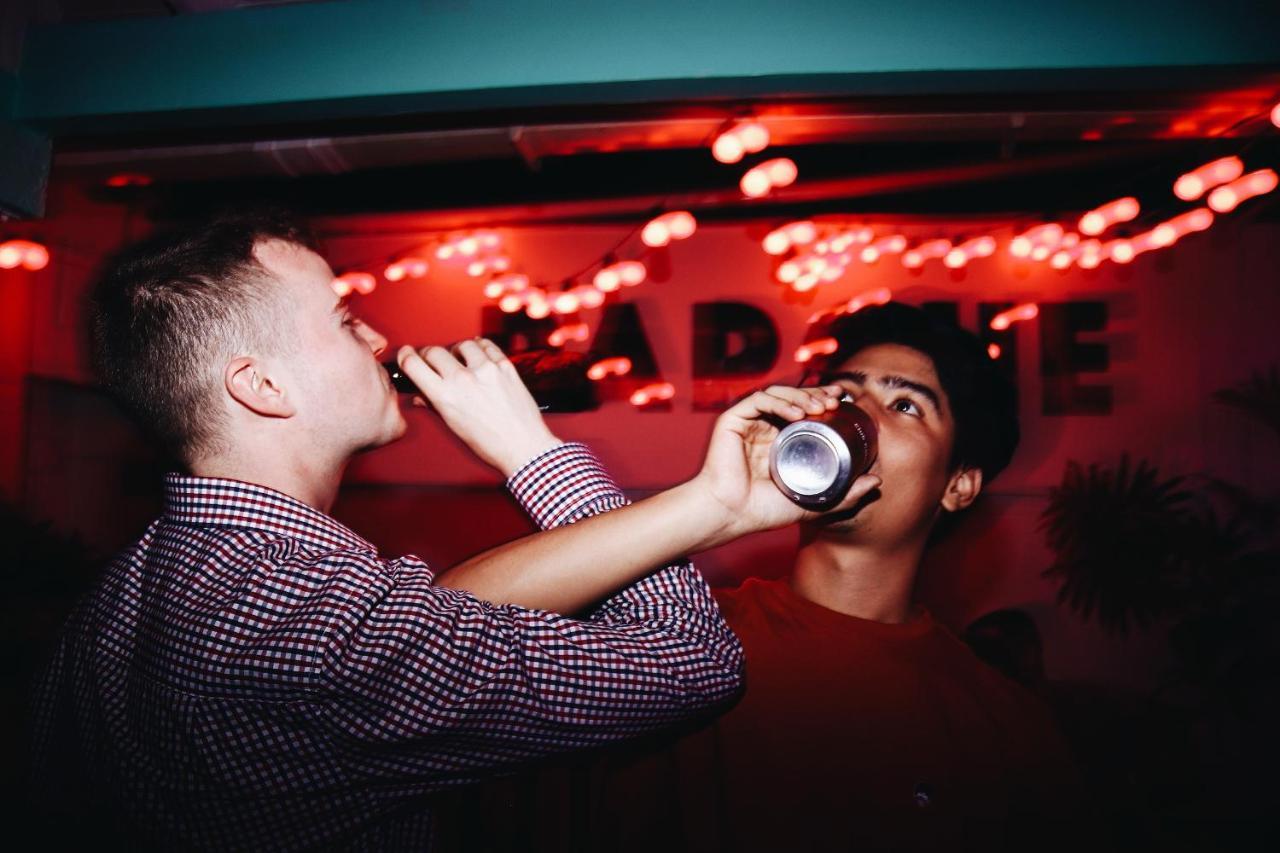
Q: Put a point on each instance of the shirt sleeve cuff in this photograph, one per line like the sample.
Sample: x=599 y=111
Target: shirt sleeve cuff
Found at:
x=563 y=485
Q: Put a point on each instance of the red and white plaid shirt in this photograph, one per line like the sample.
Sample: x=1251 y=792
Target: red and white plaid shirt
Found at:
x=251 y=674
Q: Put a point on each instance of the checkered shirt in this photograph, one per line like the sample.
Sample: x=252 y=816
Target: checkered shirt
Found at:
x=253 y=675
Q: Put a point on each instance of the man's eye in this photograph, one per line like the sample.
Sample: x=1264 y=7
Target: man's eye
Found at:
x=907 y=406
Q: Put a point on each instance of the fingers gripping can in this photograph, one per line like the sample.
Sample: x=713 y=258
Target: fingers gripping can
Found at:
x=814 y=461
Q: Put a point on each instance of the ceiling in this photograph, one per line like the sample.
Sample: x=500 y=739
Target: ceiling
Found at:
x=944 y=154
x=103 y=10
x=1023 y=151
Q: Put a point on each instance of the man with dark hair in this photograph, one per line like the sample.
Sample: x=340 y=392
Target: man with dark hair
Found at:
x=253 y=674
x=865 y=724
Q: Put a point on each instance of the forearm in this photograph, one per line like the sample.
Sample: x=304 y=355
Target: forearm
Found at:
x=572 y=567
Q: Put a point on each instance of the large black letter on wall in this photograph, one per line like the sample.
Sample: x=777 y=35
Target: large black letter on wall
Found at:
x=735 y=345
x=1063 y=358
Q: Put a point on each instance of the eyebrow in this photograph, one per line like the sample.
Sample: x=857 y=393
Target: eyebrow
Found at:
x=890 y=381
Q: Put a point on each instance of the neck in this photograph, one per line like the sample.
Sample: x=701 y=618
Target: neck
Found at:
x=857 y=580
x=313 y=480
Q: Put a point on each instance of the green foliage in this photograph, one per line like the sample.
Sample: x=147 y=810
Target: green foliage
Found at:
x=1113 y=533
x=1131 y=548
x=1258 y=397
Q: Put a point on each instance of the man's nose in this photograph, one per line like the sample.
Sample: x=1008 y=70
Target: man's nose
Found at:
x=375 y=339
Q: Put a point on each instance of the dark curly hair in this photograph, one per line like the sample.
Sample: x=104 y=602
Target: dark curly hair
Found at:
x=167 y=313
x=984 y=403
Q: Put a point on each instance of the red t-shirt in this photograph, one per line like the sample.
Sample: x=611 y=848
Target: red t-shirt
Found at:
x=852 y=735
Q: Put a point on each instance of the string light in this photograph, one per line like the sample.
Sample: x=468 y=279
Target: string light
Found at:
x=589 y=297
x=754 y=136
x=566 y=302
x=1197 y=182
x=895 y=244
x=1063 y=258
x=755 y=183
x=571 y=332
x=915 y=258
x=822 y=346
x=608 y=279
x=1018 y=313
x=410 y=267
x=993 y=351
x=616 y=366
x=649 y=393
x=1228 y=196
x=494 y=264
x=661 y=230
x=468 y=245
x=1091 y=254
x=978 y=247
x=780 y=240
x=769 y=175
x=1048 y=235
x=1101 y=218
x=23 y=253
x=632 y=272
x=879 y=296
x=748 y=137
x=536 y=305
x=358 y=282
x=782 y=171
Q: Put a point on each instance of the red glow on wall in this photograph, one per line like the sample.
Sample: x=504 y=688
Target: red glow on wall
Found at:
x=129 y=179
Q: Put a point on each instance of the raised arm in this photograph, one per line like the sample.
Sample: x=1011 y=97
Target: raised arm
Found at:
x=481 y=398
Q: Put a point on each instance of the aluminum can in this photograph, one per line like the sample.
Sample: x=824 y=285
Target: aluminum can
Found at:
x=814 y=461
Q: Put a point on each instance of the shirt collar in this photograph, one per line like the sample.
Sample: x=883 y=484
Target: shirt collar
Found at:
x=232 y=503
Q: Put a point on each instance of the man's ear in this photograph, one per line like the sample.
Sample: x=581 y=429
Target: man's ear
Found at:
x=963 y=489
x=251 y=386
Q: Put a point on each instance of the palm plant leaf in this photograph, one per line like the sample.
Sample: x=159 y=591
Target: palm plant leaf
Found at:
x=1258 y=397
x=1119 y=538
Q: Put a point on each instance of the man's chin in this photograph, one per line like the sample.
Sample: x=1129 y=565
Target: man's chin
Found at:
x=851 y=519
x=393 y=434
